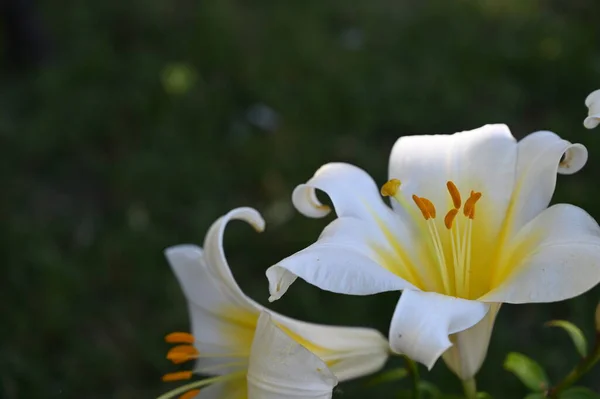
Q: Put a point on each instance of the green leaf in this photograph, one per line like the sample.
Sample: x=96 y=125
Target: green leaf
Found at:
x=428 y=390
x=388 y=376
x=483 y=395
x=531 y=374
x=574 y=332
x=579 y=393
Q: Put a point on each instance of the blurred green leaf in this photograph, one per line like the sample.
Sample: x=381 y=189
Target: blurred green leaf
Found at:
x=527 y=370
x=579 y=393
x=483 y=395
x=429 y=390
x=388 y=376
x=536 y=395
x=574 y=332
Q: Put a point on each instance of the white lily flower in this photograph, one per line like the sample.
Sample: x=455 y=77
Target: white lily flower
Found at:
x=470 y=229
x=224 y=320
x=593 y=103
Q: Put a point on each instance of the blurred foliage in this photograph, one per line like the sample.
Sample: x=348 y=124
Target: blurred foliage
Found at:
x=130 y=126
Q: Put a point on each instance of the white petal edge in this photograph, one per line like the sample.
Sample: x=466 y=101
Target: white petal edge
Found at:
x=280 y=367
x=554 y=257
x=470 y=346
x=423 y=321
x=354 y=351
x=593 y=103
x=341 y=261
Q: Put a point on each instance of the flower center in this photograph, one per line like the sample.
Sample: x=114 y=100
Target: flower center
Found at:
x=451 y=247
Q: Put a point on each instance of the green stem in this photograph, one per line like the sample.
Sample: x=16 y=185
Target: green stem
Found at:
x=583 y=367
x=413 y=371
x=470 y=388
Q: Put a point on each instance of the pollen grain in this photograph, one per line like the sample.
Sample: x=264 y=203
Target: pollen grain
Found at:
x=454 y=193
x=469 y=209
x=422 y=207
x=179 y=338
x=449 y=219
x=190 y=394
x=177 y=376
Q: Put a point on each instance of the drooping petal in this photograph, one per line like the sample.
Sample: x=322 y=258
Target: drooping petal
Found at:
x=541 y=155
x=222 y=317
x=482 y=160
x=282 y=368
x=593 y=103
x=554 y=257
x=469 y=347
x=351 y=351
x=344 y=260
x=423 y=321
x=215 y=255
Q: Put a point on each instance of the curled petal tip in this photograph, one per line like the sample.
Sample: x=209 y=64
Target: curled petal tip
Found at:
x=591 y=121
x=306 y=202
x=593 y=103
x=574 y=158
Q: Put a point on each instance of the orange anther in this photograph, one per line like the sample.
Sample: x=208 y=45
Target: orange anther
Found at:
x=182 y=353
x=430 y=208
x=469 y=209
x=449 y=219
x=422 y=207
x=180 y=338
x=454 y=193
x=390 y=188
x=190 y=394
x=177 y=376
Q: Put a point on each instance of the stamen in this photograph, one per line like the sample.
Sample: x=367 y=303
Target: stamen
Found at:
x=454 y=193
x=177 y=376
x=198 y=384
x=430 y=208
x=422 y=207
x=182 y=353
x=450 y=218
x=190 y=394
x=469 y=209
x=179 y=338
x=390 y=188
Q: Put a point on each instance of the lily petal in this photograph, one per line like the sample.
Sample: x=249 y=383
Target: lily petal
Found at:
x=352 y=351
x=209 y=301
x=233 y=389
x=482 y=160
x=423 y=321
x=341 y=261
x=213 y=246
x=281 y=368
x=554 y=257
x=351 y=189
x=593 y=103
x=538 y=162
x=470 y=346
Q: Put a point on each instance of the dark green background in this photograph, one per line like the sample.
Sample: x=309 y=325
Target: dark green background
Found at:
x=106 y=161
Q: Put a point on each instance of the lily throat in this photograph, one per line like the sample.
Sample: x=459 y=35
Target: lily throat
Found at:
x=448 y=241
